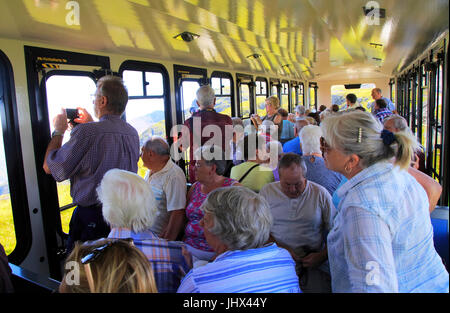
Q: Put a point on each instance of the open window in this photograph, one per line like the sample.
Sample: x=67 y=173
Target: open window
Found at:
x=222 y=83
x=284 y=100
x=261 y=92
x=245 y=86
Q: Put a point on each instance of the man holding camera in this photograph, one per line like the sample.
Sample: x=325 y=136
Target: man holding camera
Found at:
x=93 y=149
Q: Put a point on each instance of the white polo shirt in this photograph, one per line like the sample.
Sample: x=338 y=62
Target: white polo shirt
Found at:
x=169 y=187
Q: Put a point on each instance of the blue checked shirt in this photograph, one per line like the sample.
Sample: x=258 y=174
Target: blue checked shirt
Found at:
x=382 y=238
x=263 y=270
x=168 y=264
x=93 y=149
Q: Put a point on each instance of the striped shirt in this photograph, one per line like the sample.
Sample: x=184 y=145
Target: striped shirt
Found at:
x=93 y=149
x=382 y=238
x=169 y=265
x=268 y=269
x=382 y=113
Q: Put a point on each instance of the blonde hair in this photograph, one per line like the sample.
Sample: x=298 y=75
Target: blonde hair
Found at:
x=273 y=102
x=358 y=132
x=120 y=268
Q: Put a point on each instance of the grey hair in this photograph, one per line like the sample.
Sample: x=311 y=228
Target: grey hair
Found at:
x=300 y=109
x=310 y=139
x=158 y=145
x=113 y=88
x=358 y=132
x=292 y=158
x=242 y=218
x=237 y=121
x=275 y=144
x=127 y=200
x=205 y=97
x=399 y=122
x=212 y=155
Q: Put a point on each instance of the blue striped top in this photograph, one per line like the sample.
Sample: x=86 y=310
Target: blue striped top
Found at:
x=268 y=269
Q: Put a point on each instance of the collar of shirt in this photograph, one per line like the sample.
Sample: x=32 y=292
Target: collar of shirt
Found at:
x=121 y=233
x=246 y=253
x=374 y=170
x=166 y=168
x=109 y=117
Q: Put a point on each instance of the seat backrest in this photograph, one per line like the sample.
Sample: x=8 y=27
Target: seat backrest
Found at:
x=439 y=220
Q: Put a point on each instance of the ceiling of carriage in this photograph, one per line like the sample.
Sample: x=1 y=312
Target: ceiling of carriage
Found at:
x=307 y=39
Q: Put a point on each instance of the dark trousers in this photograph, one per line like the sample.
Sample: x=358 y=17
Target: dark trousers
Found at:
x=87 y=223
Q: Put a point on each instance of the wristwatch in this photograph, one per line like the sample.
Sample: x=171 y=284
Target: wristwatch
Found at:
x=57 y=133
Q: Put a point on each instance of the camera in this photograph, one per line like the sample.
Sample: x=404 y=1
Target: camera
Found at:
x=72 y=114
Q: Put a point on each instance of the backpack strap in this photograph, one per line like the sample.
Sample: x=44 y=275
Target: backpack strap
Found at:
x=248 y=172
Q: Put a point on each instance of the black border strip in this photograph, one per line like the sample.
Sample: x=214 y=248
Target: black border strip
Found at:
x=14 y=163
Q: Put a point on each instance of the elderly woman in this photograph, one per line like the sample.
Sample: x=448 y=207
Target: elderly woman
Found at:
x=315 y=164
x=209 y=168
x=129 y=207
x=237 y=225
x=108 y=266
x=382 y=238
x=255 y=172
x=272 y=106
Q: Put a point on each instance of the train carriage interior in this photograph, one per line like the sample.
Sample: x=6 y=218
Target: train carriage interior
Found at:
x=305 y=52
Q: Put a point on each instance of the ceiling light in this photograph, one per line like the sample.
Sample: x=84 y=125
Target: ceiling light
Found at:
x=186 y=36
x=254 y=56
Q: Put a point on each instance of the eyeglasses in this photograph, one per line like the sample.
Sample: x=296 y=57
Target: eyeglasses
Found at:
x=324 y=146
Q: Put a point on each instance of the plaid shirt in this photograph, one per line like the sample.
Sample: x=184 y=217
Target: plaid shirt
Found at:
x=382 y=238
x=169 y=265
x=93 y=149
x=381 y=114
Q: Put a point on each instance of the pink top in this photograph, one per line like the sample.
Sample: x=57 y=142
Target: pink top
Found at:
x=193 y=234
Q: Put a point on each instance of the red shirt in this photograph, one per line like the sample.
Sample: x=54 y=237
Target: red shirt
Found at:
x=207 y=117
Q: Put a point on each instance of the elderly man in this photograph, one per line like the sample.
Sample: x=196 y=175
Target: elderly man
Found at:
x=303 y=213
x=376 y=94
x=205 y=116
x=300 y=112
x=93 y=149
x=293 y=145
x=130 y=208
x=168 y=183
x=237 y=225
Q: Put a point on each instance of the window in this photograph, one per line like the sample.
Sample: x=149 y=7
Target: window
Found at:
x=363 y=94
x=68 y=91
x=284 y=96
x=245 y=101
x=294 y=97
x=7 y=231
x=312 y=97
x=301 y=94
x=189 y=97
x=222 y=87
x=261 y=96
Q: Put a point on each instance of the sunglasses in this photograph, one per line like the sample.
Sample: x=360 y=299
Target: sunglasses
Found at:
x=94 y=254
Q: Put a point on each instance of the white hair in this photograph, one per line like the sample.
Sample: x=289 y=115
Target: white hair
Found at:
x=205 y=97
x=127 y=200
x=269 y=127
x=242 y=218
x=310 y=139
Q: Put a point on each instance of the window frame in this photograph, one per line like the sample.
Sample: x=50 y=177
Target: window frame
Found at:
x=14 y=161
x=140 y=66
x=251 y=86
x=226 y=75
